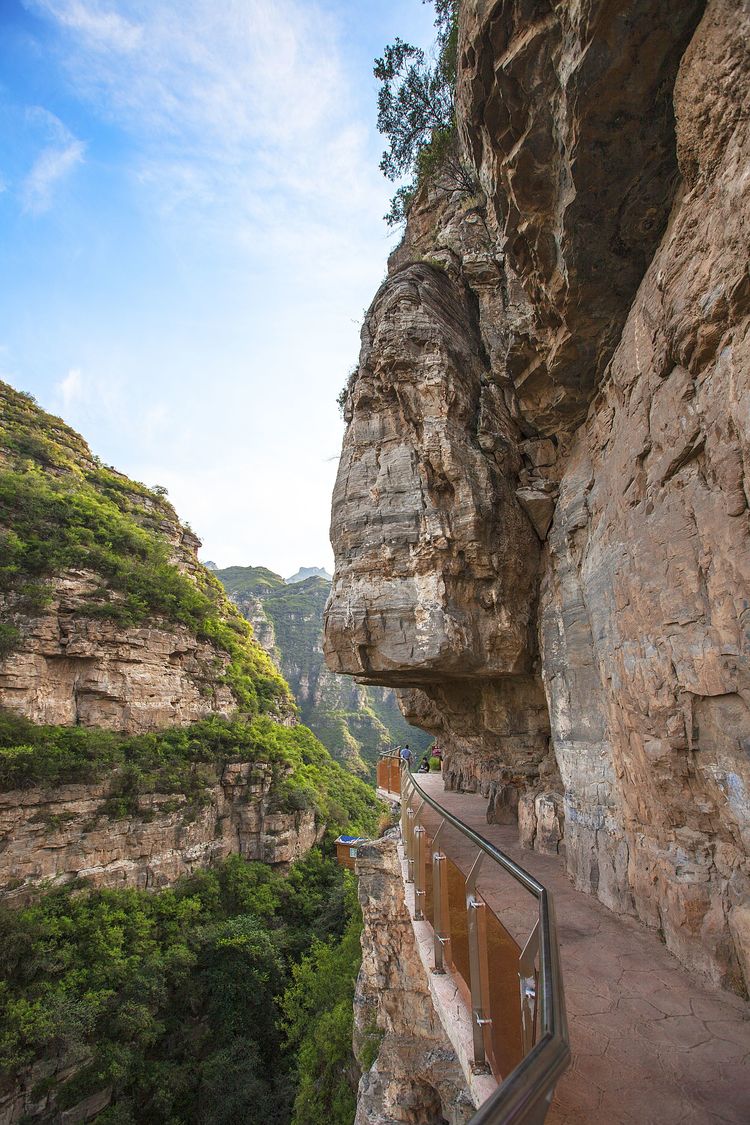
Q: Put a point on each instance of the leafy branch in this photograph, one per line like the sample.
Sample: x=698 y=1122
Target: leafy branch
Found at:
x=416 y=109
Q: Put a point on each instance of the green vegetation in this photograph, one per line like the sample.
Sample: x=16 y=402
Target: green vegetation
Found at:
x=416 y=111
x=184 y=760
x=319 y=1023
x=176 y=1000
x=355 y=723
x=61 y=510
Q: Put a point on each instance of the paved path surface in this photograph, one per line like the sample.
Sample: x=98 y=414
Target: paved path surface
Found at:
x=650 y=1042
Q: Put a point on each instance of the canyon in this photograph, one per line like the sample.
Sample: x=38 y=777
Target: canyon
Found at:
x=540 y=520
x=355 y=722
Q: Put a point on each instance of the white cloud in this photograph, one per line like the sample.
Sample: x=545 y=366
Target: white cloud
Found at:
x=231 y=103
x=102 y=28
x=70 y=389
x=57 y=159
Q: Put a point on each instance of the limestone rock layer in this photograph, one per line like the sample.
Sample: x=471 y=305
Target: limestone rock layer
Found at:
x=541 y=514
x=50 y=837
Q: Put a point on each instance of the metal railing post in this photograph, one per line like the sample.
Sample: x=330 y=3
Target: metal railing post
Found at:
x=527 y=979
x=419 y=872
x=441 y=915
x=409 y=845
x=478 y=967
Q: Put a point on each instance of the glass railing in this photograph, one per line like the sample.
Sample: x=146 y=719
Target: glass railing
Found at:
x=494 y=932
x=389 y=773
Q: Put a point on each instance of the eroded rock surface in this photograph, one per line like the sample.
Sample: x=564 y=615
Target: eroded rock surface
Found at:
x=541 y=516
x=53 y=836
x=70 y=668
x=415 y=1076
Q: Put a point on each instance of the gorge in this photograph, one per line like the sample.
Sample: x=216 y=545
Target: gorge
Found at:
x=541 y=528
x=165 y=820
x=354 y=722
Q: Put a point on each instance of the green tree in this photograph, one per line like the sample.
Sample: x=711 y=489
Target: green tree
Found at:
x=416 y=110
x=318 y=1010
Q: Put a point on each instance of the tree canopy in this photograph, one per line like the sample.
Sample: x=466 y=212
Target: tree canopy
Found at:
x=416 y=106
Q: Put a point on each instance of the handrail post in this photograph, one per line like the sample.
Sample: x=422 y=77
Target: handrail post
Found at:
x=441 y=928
x=419 y=872
x=410 y=815
x=478 y=967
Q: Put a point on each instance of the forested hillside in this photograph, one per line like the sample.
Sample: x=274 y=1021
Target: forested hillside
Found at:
x=353 y=721
x=149 y=750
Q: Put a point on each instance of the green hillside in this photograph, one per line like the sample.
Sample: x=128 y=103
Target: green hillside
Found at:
x=62 y=510
x=353 y=721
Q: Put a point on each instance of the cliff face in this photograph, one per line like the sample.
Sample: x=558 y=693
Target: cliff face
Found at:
x=108 y=618
x=416 y=1075
x=353 y=721
x=113 y=639
x=541 y=515
x=72 y=668
x=53 y=836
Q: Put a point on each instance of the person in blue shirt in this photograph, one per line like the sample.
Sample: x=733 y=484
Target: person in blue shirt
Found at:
x=406 y=755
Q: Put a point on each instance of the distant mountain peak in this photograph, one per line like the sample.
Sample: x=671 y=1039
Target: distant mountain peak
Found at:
x=309 y=572
x=210 y=565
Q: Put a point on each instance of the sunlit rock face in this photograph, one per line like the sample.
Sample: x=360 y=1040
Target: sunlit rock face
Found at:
x=51 y=837
x=645 y=607
x=437 y=564
x=565 y=355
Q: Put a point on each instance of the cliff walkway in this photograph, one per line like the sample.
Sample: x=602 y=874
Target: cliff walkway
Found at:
x=650 y=1043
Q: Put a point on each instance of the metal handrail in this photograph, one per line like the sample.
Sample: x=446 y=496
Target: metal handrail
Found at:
x=525 y=1094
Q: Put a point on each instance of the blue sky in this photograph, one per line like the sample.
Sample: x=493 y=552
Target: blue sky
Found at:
x=191 y=229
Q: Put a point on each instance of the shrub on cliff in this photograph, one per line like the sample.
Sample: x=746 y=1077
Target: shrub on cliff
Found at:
x=416 y=108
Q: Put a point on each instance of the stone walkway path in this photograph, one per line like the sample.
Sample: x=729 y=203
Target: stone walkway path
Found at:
x=650 y=1043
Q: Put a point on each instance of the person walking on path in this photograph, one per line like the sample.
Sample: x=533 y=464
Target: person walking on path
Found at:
x=406 y=755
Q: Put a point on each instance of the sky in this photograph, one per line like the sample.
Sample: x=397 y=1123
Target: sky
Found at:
x=190 y=233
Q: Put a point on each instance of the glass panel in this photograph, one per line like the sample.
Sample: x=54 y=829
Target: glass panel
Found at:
x=459 y=935
x=505 y=1005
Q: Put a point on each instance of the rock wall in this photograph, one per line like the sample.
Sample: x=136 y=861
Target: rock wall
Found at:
x=57 y=835
x=71 y=668
x=415 y=1075
x=541 y=515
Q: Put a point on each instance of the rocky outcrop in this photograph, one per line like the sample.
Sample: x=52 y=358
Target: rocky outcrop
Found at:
x=415 y=1075
x=541 y=514
x=107 y=618
x=72 y=668
x=52 y=836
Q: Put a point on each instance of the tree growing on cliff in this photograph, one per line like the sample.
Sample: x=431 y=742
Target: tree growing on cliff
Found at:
x=416 y=111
